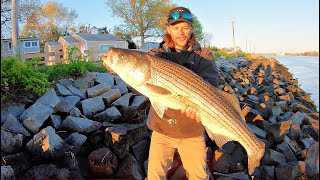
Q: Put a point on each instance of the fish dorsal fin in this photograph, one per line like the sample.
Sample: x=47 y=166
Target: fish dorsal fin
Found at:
x=157 y=89
x=159 y=108
x=219 y=139
x=232 y=98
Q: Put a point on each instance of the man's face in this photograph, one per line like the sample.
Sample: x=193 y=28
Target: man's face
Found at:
x=180 y=33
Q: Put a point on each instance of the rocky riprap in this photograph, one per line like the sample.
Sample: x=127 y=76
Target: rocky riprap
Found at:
x=95 y=127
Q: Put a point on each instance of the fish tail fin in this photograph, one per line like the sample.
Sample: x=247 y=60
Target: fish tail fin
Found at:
x=254 y=159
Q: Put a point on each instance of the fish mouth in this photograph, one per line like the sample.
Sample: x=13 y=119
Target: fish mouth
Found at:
x=108 y=60
x=110 y=54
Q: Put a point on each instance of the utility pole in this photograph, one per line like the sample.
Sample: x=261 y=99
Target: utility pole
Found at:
x=234 y=42
x=246 y=42
x=254 y=48
x=14 y=28
x=250 y=46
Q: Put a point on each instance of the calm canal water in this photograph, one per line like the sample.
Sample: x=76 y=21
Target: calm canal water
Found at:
x=306 y=70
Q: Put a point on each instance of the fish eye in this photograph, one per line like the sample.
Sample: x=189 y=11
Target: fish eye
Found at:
x=121 y=56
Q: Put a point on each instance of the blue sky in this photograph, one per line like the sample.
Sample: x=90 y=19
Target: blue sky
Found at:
x=264 y=25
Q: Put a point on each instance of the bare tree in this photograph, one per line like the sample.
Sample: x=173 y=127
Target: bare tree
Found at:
x=25 y=7
x=207 y=38
x=5 y=17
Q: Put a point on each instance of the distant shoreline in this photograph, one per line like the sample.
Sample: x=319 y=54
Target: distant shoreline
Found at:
x=285 y=55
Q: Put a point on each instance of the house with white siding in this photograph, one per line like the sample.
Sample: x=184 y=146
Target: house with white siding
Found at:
x=91 y=44
x=26 y=46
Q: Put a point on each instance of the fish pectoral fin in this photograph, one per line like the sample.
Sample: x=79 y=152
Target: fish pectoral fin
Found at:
x=157 y=89
x=219 y=139
x=159 y=108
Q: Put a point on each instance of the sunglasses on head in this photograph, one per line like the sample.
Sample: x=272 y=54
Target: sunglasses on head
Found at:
x=184 y=15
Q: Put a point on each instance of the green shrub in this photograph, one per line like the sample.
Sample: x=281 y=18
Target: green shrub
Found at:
x=75 y=55
x=21 y=79
x=77 y=66
x=96 y=67
x=74 y=69
x=222 y=53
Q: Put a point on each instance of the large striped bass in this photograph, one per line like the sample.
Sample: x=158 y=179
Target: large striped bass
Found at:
x=169 y=85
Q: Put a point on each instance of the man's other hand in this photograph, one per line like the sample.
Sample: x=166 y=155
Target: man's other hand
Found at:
x=191 y=113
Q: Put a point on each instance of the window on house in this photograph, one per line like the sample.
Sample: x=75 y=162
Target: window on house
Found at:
x=105 y=47
x=10 y=46
x=27 y=44
x=61 y=53
x=30 y=44
x=34 y=44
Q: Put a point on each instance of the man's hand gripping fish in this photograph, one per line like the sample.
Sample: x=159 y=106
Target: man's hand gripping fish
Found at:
x=169 y=85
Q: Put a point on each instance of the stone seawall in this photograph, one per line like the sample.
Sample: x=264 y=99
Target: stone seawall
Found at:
x=94 y=127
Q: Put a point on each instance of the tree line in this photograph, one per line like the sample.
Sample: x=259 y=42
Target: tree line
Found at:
x=50 y=20
x=309 y=53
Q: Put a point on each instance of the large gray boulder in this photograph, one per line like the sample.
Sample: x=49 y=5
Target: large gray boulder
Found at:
x=7 y=173
x=75 y=140
x=257 y=131
x=56 y=122
x=290 y=170
x=65 y=82
x=129 y=168
x=77 y=92
x=312 y=161
x=105 y=78
x=34 y=117
x=140 y=151
x=84 y=83
x=49 y=99
x=20 y=162
x=123 y=101
x=273 y=158
x=15 y=109
x=98 y=90
x=110 y=96
x=264 y=172
x=110 y=114
x=67 y=103
x=81 y=125
x=47 y=144
x=47 y=171
x=122 y=86
x=11 y=142
x=92 y=106
x=62 y=90
x=286 y=150
x=15 y=126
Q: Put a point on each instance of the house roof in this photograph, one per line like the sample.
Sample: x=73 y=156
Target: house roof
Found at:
x=22 y=39
x=54 y=43
x=70 y=39
x=99 y=37
x=152 y=43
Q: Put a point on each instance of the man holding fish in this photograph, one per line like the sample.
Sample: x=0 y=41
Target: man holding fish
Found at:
x=180 y=79
x=180 y=130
